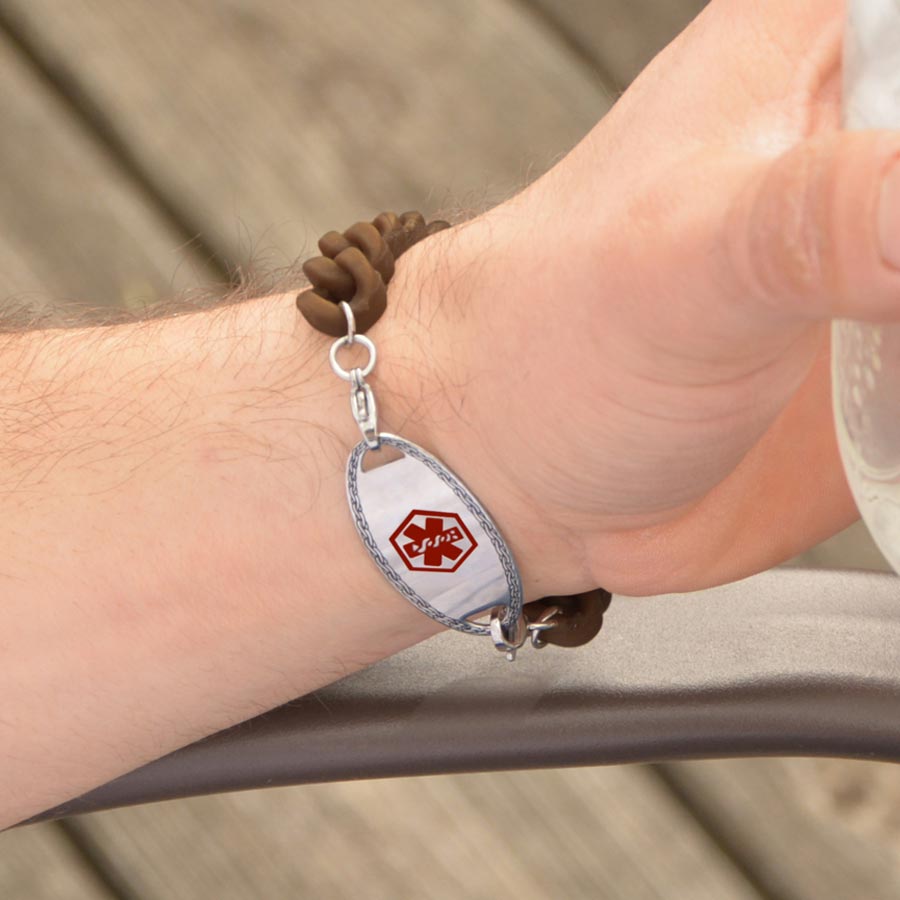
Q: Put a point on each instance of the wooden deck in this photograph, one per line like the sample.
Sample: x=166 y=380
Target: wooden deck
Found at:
x=150 y=147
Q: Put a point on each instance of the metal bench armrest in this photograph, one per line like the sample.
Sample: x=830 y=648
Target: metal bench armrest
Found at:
x=791 y=662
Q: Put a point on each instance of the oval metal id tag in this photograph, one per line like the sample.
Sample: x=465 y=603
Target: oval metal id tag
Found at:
x=431 y=538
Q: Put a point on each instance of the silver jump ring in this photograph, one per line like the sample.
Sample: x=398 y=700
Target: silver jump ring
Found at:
x=356 y=339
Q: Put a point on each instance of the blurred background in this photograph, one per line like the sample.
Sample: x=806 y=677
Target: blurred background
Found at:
x=150 y=148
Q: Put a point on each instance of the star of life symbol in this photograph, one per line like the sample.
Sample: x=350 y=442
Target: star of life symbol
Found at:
x=431 y=541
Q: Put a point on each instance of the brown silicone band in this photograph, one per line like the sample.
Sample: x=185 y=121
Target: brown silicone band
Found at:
x=579 y=620
x=356 y=267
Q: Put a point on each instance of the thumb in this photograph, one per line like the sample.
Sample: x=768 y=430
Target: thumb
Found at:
x=815 y=233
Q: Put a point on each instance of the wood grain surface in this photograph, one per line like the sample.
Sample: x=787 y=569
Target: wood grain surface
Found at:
x=771 y=812
x=264 y=125
x=614 y=833
x=73 y=228
x=39 y=863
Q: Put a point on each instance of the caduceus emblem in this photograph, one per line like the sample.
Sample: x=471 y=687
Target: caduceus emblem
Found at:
x=432 y=541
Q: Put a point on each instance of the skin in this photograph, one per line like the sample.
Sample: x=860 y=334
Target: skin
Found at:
x=628 y=363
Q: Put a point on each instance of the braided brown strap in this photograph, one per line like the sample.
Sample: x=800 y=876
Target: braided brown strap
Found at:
x=356 y=267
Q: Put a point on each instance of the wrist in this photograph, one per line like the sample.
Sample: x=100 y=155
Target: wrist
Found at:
x=327 y=610
x=471 y=305
x=422 y=367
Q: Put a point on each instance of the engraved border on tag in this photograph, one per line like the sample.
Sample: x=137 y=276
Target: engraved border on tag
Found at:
x=504 y=555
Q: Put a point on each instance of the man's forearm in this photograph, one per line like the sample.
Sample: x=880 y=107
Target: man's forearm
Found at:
x=177 y=551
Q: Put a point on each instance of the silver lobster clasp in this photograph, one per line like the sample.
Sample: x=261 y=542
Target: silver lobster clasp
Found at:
x=362 y=405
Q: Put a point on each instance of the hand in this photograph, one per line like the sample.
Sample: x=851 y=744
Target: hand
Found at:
x=636 y=374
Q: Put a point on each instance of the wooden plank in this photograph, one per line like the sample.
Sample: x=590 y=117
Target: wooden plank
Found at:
x=22 y=288
x=38 y=863
x=619 y=36
x=594 y=832
x=71 y=225
x=799 y=846
x=864 y=797
x=268 y=125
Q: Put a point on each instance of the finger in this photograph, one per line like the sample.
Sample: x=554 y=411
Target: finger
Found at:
x=815 y=233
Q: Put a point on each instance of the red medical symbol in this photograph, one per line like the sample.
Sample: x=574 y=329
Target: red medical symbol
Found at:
x=430 y=541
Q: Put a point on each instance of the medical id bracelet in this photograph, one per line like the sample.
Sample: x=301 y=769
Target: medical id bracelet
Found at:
x=425 y=530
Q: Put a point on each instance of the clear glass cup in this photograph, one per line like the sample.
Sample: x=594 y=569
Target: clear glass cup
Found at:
x=865 y=363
